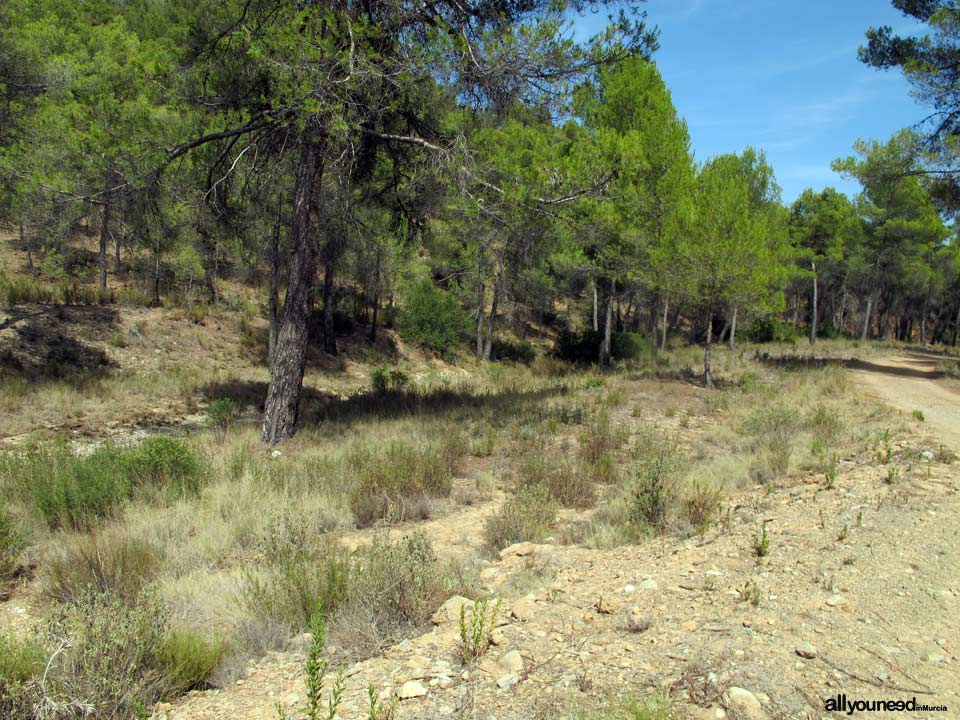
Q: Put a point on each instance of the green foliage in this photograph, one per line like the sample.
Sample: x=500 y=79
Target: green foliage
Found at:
x=68 y=490
x=517 y=351
x=477 y=628
x=384 y=380
x=109 y=561
x=769 y=329
x=582 y=347
x=187 y=659
x=222 y=412
x=20 y=661
x=433 y=318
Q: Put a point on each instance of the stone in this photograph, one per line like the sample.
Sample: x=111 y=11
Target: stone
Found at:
x=410 y=690
x=444 y=681
x=450 y=610
x=743 y=704
x=807 y=650
x=649 y=584
x=935 y=658
x=636 y=621
x=523 y=609
x=834 y=600
x=512 y=662
x=507 y=681
x=497 y=638
x=522 y=549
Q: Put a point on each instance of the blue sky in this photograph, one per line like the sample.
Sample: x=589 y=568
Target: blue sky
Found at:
x=781 y=75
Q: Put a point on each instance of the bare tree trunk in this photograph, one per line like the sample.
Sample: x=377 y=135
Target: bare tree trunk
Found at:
x=813 y=306
x=866 y=317
x=956 y=327
x=290 y=354
x=654 y=330
x=606 y=340
x=497 y=289
x=376 y=296
x=29 y=247
x=116 y=255
x=480 y=301
x=273 y=309
x=156 y=270
x=596 y=316
x=843 y=306
x=733 y=328
x=329 y=303
x=666 y=307
x=104 y=235
x=707 y=369
x=923 y=322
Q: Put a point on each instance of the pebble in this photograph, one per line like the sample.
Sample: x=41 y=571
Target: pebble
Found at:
x=834 y=600
x=649 y=585
x=507 y=681
x=637 y=621
x=512 y=662
x=807 y=650
x=411 y=689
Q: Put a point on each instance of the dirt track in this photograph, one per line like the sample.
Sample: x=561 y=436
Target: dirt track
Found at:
x=909 y=382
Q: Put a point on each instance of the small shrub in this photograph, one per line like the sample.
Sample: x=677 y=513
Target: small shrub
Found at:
x=545 y=366
x=825 y=423
x=518 y=351
x=20 y=661
x=109 y=562
x=188 y=658
x=11 y=544
x=761 y=543
x=700 y=503
x=222 y=412
x=918 y=415
x=110 y=653
x=433 y=318
x=599 y=437
x=164 y=462
x=750 y=592
x=770 y=329
x=530 y=514
x=475 y=631
x=568 y=482
x=584 y=347
x=775 y=428
x=651 y=491
x=118 y=339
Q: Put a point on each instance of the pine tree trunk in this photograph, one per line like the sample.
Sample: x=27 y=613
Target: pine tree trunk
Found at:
x=843 y=306
x=376 y=297
x=707 y=369
x=866 y=317
x=733 y=328
x=654 y=331
x=956 y=328
x=596 y=315
x=923 y=323
x=813 y=306
x=606 y=339
x=273 y=309
x=156 y=271
x=290 y=354
x=116 y=255
x=29 y=248
x=666 y=308
x=480 y=301
x=497 y=289
x=329 y=303
x=104 y=236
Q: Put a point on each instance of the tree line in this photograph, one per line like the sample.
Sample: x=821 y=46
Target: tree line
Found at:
x=452 y=163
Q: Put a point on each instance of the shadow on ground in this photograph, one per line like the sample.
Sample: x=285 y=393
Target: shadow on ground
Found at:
x=42 y=342
x=809 y=362
x=322 y=408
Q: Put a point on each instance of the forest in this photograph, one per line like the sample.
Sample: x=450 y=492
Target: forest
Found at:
x=375 y=360
x=448 y=170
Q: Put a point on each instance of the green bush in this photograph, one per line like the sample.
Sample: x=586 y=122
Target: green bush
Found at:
x=383 y=380
x=568 y=482
x=222 y=412
x=529 y=515
x=20 y=660
x=433 y=318
x=188 y=658
x=584 y=347
x=68 y=490
x=769 y=329
x=518 y=351
x=111 y=652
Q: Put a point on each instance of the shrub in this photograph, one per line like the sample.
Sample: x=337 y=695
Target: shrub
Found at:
x=700 y=503
x=21 y=664
x=110 y=653
x=383 y=380
x=188 y=658
x=530 y=514
x=477 y=630
x=433 y=318
x=518 y=351
x=295 y=584
x=769 y=329
x=568 y=482
x=67 y=490
x=545 y=366
x=392 y=481
x=774 y=427
x=584 y=347
x=11 y=544
x=599 y=438
x=109 y=562
x=825 y=423
x=222 y=412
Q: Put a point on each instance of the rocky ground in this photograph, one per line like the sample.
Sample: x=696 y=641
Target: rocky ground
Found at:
x=858 y=593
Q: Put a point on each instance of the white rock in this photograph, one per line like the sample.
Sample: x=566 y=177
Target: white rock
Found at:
x=743 y=704
x=512 y=662
x=834 y=600
x=807 y=650
x=649 y=584
x=411 y=689
x=450 y=610
x=507 y=681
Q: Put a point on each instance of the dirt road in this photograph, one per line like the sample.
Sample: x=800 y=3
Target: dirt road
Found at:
x=910 y=382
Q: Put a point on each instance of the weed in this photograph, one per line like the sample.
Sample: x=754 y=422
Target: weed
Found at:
x=11 y=544
x=893 y=474
x=842 y=535
x=188 y=658
x=110 y=562
x=476 y=630
x=761 y=542
x=918 y=415
x=221 y=413
x=750 y=592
